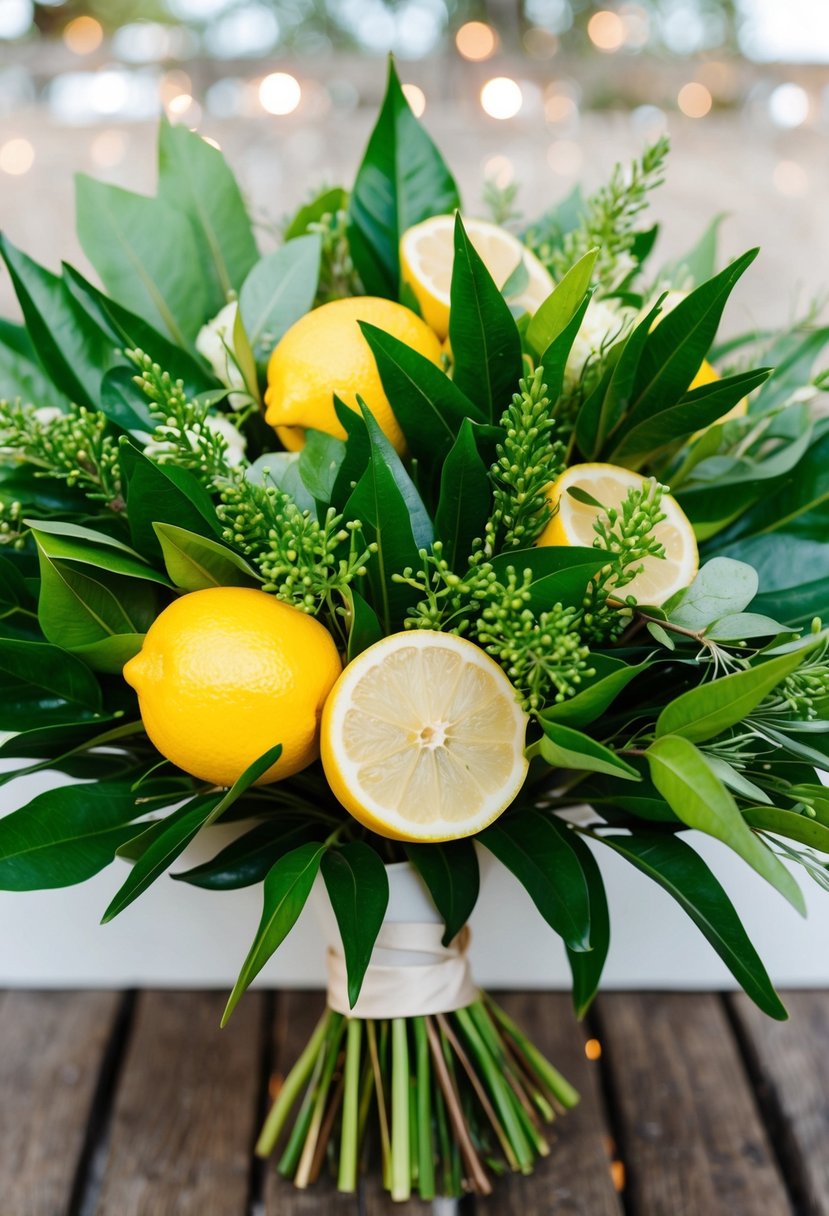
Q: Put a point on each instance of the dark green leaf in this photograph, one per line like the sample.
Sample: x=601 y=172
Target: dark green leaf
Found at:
x=684 y=875
x=486 y=346
x=286 y=889
x=64 y=835
x=363 y=626
x=163 y=494
x=75 y=543
x=279 y=290
x=52 y=683
x=539 y=852
x=358 y=888
x=146 y=255
x=124 y=403
x=401 y=181
x=76 y=609
x=450 y=871
x=247 y=860
x=564 y=747
x=194 y=562
x=465 y=499
x=709 y=709
x=319 y=464
x=21 y=375
x=613 y=677
x=194 y=178
x=587 y=965
x=701 y=801
x=554 y=359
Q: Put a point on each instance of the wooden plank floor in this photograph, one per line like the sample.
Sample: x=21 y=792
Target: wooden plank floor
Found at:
x=136 y=1104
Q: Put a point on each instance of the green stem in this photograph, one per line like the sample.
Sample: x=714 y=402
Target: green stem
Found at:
x=347 y=1178
x=502 y=1096
x=291 y=1086
x=401 y=1179
x=426 y=1161
x=290 y=1157
x=549 y=1077
x=306 y=1161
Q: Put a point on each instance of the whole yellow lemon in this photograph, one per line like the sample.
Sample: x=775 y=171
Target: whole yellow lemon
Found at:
x=227 y=673
x=325 y=353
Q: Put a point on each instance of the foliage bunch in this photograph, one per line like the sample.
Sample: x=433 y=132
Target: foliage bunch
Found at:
x=707 y=713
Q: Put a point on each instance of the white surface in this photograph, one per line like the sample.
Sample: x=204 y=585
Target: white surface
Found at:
x=177 y=935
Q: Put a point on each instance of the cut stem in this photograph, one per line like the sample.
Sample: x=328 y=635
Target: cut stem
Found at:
x=347 y=1177
x=401 y=1173
x=426 y=1160
x=290 y=1088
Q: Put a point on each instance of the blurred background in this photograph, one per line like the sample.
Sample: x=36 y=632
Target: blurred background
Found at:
x=536 y=92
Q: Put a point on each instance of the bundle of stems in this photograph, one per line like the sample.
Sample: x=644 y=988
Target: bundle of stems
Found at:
x=448 y=1099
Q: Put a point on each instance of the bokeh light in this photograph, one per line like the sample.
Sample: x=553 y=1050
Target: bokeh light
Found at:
x=501 y=97
x=83 y=35
x=476 y=41
x=16 y=156
x=415 y=97
x=789 y=105
x=16 y=17
x=500 y=170
x=280 y=93
x=694 y=99
x=606 y=30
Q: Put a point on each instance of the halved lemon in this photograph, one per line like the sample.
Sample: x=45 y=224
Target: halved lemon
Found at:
x=427 y=252
x=423 y=738
x=609 y=485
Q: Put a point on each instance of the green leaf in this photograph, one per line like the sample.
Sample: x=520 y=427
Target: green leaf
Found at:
x=247 y=860
x=677 y=346
x=76 y=609
x=401 y=181
x=541 y=855
x=358 y=888
x=64 y=835
x=450 y=871
x=554 y=359
x=709 y=709
x=110 y=654
x=564 y=747
x=180 y=828
x=794 y=826
x=279 y=290
x=701 y=801
x=684 y=875
x=21 y=375
x=124 y=403
x=556 y=312
x=722 y=587
x=286 y=889
x=591 y=702
x=429 y=407
x=361 y=619
x=195 y=179
x=70 y=348
x=587 y=965
x=75 y=543
x=329 y=202
x=800 y=503
x=194 y=562
x=465 y=499
x=128 y=331
x=740 y=626
x=146 y=255
x=163 y=494
x=486 y=346
x=45 y=681
x=794 y=575
x=319 y=464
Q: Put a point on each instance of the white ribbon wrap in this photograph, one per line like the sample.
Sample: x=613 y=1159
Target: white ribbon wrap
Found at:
x=411 y=974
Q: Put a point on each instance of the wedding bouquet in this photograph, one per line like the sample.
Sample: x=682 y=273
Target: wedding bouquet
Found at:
x=418 y=533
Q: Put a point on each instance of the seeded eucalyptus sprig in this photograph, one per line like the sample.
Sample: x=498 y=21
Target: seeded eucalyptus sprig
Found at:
x=78 y=447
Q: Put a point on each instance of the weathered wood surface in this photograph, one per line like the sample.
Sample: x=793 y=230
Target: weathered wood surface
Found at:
x=114 y=1105
x=688 y=1126
x=789 y=1062
x=52 y=1046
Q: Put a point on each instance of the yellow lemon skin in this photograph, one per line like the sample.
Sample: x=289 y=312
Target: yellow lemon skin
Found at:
x=325 y=353
x=707 y=375
x=227 y=673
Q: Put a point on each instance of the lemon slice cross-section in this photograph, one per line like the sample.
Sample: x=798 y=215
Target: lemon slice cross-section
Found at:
x=427 y=253
x=423 y=738
x=609 y=484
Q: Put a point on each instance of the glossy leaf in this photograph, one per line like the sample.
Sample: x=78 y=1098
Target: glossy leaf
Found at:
x=675 y=866
x=195 y=179
x=541 y=856
x=20 y=373
x=485 y=342
x=450 y=871
x=64 y=835
x=146 y=254
x=591 y=701
x=802 y=828
x=363 y=626
x=358 y=887
x=76 y=609
x=401 y=181
x=587 y=966
x=45 y=681
x=465 y=499
x=163 y=494
x=564 y=747
x=286 y=890
x=554 y=359
x=328 y=202
x=76 y=543
x=279 y=290
x=195 y=562
x=709 y=709
x=319 y=464
x=556 y=312
x=248 y=859
x=701 y=801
